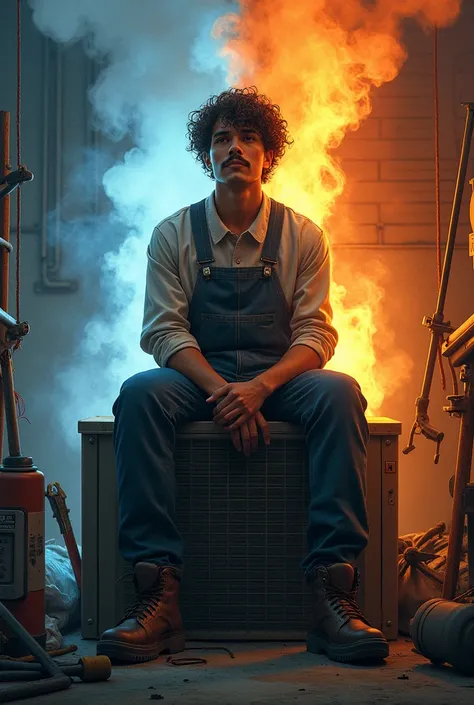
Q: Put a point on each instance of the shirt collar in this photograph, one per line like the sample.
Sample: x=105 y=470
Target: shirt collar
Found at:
x=218 y=230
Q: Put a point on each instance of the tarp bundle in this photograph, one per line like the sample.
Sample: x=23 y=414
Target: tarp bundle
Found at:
x=421 y=564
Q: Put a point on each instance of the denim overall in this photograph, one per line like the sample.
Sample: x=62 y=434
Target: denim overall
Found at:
x=239 y=316
x=241 y=320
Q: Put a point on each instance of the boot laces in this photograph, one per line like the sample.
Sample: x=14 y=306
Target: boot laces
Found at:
x=344 y=603
x=146 y=603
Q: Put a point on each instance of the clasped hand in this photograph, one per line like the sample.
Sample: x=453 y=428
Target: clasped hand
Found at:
x=239 y=412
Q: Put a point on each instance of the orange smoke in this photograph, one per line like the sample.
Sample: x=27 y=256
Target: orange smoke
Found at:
x=319 y=60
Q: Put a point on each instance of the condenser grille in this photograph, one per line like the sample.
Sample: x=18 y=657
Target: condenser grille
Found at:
x=243 y=523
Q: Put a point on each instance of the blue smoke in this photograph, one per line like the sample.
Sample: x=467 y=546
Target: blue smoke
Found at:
x=159 y=63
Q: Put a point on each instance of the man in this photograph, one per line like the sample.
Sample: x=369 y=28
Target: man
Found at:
x=237 y=316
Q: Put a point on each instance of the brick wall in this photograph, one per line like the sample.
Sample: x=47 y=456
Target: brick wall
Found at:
x=389 y=161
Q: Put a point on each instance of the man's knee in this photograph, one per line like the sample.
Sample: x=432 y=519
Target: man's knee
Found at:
x=339 y=391
x=345 y=391
x=144 y=386
x=340 y=382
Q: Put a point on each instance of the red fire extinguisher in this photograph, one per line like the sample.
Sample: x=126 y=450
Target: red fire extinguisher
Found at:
x=22 y=559
x=22 y=545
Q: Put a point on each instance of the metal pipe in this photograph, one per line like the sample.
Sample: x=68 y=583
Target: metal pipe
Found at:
x=14 y=449
x=58 y=680
x=5 y=235
x=19 y=675
x=45 y=155
x=38 y=687
x=456 y=209
x=45 y=283
x=58 y=175
x=7 y=245
x=9 y=665
x=7 y=190
x=6 y=320
x=92 y=137
x=53 y=284
x=462 y=475
x=88 y=669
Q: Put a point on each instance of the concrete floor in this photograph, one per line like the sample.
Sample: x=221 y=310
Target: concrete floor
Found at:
x=261 y=673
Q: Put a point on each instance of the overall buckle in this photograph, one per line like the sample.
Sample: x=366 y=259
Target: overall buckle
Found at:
x=206 y=272
x=267 y=271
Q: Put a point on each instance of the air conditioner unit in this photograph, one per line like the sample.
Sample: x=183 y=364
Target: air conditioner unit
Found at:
x=242 y=578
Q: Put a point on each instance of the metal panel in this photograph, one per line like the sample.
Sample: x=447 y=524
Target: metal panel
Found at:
x=244 y=527
x=378 y=425
x=389 y=533
x=90 y=552
x=370 y=597
x=107 y=536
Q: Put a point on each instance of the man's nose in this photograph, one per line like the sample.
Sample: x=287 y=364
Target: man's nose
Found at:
x=235 y=147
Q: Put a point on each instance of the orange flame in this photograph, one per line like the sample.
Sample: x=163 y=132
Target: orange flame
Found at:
x=319 y=60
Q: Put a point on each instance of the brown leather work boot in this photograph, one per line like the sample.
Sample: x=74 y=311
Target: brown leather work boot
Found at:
x=338 y=628
x=153 y=624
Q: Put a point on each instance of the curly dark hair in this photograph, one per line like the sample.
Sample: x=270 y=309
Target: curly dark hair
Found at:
x=239 y=107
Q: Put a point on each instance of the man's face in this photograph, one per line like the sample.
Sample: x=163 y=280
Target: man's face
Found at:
x=237 y=155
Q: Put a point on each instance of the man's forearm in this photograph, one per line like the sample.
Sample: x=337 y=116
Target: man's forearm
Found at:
x=193 y=365
x=294 y=362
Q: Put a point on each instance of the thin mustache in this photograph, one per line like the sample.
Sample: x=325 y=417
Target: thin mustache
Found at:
x=235 y=159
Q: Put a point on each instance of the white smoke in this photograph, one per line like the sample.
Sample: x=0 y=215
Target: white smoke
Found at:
x=159 y=63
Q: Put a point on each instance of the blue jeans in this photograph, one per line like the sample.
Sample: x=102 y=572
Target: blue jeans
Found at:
x=329 y=406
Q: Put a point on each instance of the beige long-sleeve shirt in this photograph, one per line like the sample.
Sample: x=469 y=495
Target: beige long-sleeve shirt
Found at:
x=303 y=268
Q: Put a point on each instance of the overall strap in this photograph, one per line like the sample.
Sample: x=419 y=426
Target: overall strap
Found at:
x=201 y=235
x=274 y=230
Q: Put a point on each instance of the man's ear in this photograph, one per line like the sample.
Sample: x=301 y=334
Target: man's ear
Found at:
x=207 y=160
x=268 y=160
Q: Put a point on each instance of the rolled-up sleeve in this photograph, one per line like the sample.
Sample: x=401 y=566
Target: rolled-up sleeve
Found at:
x=165 y=328
x=311 y=321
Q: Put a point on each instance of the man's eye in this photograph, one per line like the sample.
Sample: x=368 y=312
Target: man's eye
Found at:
x=250 y=137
